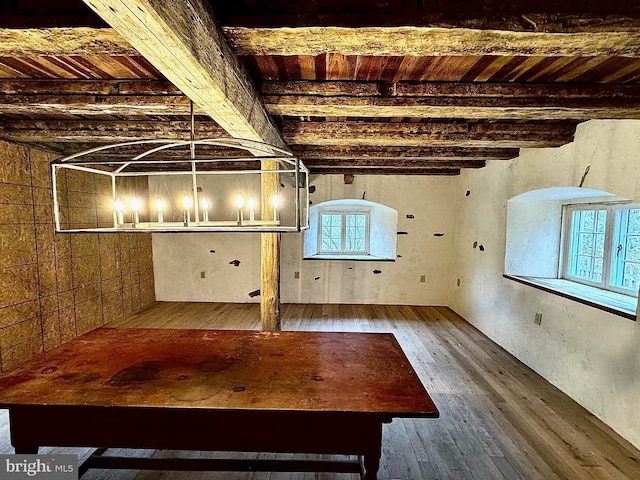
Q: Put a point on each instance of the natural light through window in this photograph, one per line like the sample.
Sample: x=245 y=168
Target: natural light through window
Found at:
x=578 y=243
x=603 y=247
x=344 y=232
x=351 y=229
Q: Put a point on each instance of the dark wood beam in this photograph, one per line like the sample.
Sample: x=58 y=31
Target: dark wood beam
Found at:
x=63 y=41
x=429 y=41
x=448 y=89
x=87 y=87
x=124 y=105
x=455 y=107
x=386 y=171
x=429 y=134
x=183 y=41
x=308 y=153
x=515 y=15
x=518 y=15
x=87 y=131
x=393 y=163
x=453 y=100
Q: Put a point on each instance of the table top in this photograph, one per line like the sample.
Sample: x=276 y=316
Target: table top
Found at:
x=224 y=369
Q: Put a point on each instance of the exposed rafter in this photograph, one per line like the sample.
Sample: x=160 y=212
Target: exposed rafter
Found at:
x=429 y=41
x=429 y=134
x=182 y=40
x=523 y=108
x=63 y=41
x=385 y=171
x=64 y=131
x=393 y=163
x=452 y=100
x=87 y=87
x=125 y=105
x=360 y=153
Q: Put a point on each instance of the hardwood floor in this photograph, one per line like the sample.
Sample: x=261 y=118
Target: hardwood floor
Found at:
x=499 y=419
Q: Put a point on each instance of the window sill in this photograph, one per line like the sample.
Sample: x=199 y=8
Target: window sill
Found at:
x=611 y=302
x=357 y=258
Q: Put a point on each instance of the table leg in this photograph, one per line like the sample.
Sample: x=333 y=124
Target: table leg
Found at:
x=371 y=465
x=371 y=457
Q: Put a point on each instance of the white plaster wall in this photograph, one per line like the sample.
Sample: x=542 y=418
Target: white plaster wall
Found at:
x=534 y=229
x=180 y=259
x=428 y=199
x=591 y=355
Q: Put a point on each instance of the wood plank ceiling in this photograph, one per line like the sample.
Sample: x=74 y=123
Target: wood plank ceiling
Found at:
x=353 y=86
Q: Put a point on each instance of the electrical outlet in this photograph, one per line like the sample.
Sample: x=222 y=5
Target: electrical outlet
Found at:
x=538 y=318
x=296 y=274
x=423 y=278
x=203 y=274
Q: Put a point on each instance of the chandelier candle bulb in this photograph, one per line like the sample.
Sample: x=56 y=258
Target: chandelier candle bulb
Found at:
x=252 y=208
x=119 y=207
x=159 y=208
x=135 y=207
x=205 y=209
x=239 y=205
x=186 y=202
x=275 y=201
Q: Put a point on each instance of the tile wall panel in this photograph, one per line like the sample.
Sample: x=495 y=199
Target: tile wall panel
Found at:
x=54 y=287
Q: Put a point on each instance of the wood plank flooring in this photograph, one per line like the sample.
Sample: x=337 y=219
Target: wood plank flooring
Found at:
x=499 y=419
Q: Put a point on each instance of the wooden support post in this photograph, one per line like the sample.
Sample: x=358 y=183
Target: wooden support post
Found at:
x=269 y=253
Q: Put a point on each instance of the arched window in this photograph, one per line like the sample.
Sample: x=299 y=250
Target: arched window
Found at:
x=580 y=242
x=351 y=229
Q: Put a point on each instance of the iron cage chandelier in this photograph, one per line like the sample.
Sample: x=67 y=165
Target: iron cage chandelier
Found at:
x=206 y=185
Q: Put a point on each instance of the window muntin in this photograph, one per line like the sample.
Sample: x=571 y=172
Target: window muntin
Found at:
x=603 y=246
x=344 y=232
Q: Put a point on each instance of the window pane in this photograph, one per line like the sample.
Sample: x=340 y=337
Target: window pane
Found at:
x=625 y=265
x=586 y=250
x=585 y=244
x=587 y=221
x=331 y=233
x=355 y=239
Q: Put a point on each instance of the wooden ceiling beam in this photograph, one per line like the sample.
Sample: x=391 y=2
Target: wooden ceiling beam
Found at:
x=316 y=152
x=86 y=87
x=63 y=41
x=385 y=171
x=429 y=41
x=393 y=163
x=542 y=15
x=517 y=15
x=52 y=131
x=439 y=89
x=125 y=105
x=507 y=108
x=429 y=134
x=452 y=100
x=183 y=41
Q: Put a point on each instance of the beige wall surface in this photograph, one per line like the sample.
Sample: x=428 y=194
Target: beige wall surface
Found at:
x=591 y=355
x=54 y=287
x=180 y=260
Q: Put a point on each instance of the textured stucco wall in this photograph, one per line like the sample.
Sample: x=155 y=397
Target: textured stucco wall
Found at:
x=180 y=259
x=591 y=355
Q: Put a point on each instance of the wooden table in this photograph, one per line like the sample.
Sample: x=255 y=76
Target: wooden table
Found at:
x=222 y=390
